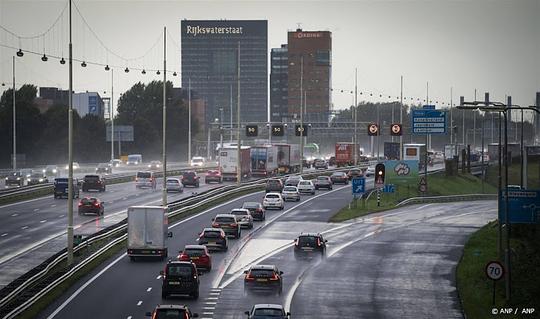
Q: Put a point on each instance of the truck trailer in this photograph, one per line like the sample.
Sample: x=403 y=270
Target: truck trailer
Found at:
x=147 y=232
x=228 y=160
x=288 y=158
x=264 y=160
x=345 y=154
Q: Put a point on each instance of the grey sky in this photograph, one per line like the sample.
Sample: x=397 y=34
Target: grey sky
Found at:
x=488 y=45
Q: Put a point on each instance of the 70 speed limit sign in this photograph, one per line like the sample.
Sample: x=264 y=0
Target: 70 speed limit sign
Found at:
x=494 y=270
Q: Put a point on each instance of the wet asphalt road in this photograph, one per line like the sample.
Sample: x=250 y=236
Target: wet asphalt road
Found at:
x=397 y=264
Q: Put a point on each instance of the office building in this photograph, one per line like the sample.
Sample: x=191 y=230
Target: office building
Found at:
x=88 y=103
x=209 y=56
x=310 y=59
x=279 y=84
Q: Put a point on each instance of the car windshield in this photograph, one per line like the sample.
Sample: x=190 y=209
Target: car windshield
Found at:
x=189 y=174
x=264 y=273
x=273 y=196
x=194 y=252
x=289 y=189
x=88 y=201
x=304 y=183
x=268 y=312
x=338 y=174
x=103 y=165
x=37 y=175
x=180 y=270
x=354 y=171
x=155 y=162
x=225 y=219
x=143 y=175
x=61 y=181
x=170 y=313
x=250 y=205
x=16 y=174
x=93 y=178
x=273 y=181
x=197 y=160
x=172 y=181
x=212 y=234
x=239 y=212
x=307 y=241
x=133 y=158
x=322 y=178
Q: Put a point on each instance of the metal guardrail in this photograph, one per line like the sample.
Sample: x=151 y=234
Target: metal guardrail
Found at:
x=178 y=207
x=447 y=198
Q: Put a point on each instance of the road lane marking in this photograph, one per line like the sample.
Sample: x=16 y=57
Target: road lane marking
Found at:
x=207 y=313
x=37 y=209
x=214 y=294
x=209 y=308
x=14 y=215
x=53 y=205
x=24 y=227
x=210 y=303
x=129 y=317
x=212 y=298
x=149 y=289
x=139 y=303
x=60 y=216
x=43 y=221
x=158 y=277
x=4 y=235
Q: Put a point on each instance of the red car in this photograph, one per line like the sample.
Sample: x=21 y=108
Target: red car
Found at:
x=197 y=254
x=213 y=176
x=91 y=205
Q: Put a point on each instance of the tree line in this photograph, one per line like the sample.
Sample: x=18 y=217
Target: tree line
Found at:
x=43 y=137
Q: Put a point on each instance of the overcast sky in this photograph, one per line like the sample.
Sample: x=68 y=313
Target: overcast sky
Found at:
x=491 y=46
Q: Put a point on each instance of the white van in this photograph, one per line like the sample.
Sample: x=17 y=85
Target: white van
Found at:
x=134 y=159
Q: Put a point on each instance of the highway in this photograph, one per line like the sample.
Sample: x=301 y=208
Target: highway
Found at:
x=395 y=264
x=35 y=229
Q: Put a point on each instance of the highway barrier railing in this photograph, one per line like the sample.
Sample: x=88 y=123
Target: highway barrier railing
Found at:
x=23 y=292
x=446 y=198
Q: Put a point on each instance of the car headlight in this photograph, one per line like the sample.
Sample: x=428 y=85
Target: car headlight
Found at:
x=149 y=165
x=18 y=178
x=43 y=170
x=54 y=171
x=28 y=180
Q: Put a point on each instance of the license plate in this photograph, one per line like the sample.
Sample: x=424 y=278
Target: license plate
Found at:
x=145 y=252
x=194 y=258
x=262 y=280
x=212 y=243
x=308 y=249
x=174 y=282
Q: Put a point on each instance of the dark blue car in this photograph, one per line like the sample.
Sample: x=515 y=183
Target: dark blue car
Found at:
x=61 y=187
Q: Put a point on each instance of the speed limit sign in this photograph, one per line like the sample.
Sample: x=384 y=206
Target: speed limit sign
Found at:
x=494 y=270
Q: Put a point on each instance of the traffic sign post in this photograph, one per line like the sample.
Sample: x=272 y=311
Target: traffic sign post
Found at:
x=358 y=187
x=428 y=121
x=494 y=271
x=422 y=185
x=523 y=206
x=378 y=197
x=389 y=188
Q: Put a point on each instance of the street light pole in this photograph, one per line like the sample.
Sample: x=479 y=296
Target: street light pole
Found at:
x=14 y=159
x=164 y=161
x=238 y=160
x=112 y=117
x=301 y=116
x=70 y=151
x=355 y=116
x=220 y=136
x=401 y=119
x=189 y=120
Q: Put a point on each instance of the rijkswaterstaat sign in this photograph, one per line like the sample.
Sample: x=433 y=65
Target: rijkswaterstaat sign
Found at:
x=198 y=30
x=203 y=29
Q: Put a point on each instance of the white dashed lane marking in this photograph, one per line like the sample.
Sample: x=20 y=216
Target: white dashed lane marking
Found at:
x=149 y=289
x=53 y=205
x=24 y=227
x=43 y=221
x=4 y=235
x=14 y=215
x=139 y=303
x=36 y=210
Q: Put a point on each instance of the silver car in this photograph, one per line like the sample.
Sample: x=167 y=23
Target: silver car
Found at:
x=174 y=185
x=290 y=193
x=306 y=186
x=244 y=217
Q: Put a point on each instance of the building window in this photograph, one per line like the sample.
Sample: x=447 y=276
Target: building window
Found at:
x=323 y=57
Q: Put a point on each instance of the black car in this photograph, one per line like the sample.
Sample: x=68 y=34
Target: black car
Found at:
x=263 y=278
x=15 y=179
x=180 y=278
x=37 y=178
x=172 y=312
x=332 y=161
x=190 y=178
x=339 y=177
x=93 y=182
x=61 y=187
x=274 y=185
x=213 y=238
x=256 y=209
x=307 y=244
x=265 y=311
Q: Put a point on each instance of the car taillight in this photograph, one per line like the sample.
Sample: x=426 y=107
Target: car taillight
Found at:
x=136 y=179
x=234 y=225
x=80 y=204
x=274 y=277
x=249 y=276
x=296 y=242
x=96 y=204
x=215 y=225
x=183 y=257
x=223 y=236
x=318 y=241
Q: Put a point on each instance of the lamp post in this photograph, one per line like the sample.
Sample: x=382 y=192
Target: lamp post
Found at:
x=14 y=159
x=70 y=150
x=301 y=116
x=112 y=118
x=189 y=120
x=355 y=116
x=164 y=161
x=238 y=160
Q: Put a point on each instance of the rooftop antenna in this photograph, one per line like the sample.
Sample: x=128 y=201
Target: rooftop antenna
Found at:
x=298 y=26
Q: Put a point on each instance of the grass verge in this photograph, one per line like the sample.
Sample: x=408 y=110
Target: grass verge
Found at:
x=438 y=185
x=476 y=290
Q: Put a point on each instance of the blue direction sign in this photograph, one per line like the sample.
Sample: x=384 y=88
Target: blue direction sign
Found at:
x=524 y=206
x=358 y=185
x=389 y=188
x=428 y=121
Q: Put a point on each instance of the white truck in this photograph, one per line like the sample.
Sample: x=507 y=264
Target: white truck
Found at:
x=148 y=230
x=228 y=160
